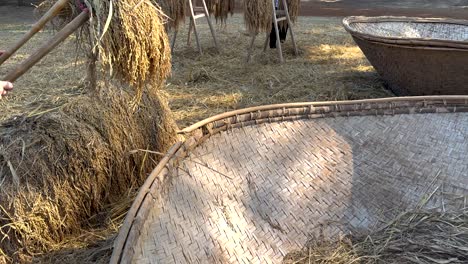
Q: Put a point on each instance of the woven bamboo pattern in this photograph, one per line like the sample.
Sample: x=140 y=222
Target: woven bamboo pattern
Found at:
x=251 y=185
x=415 y=56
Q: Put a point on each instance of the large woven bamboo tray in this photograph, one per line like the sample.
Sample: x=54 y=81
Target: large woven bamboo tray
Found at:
x=249 y=186
x=415 y=56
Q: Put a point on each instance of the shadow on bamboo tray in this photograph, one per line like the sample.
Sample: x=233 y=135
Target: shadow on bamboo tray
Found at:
x=249 y=186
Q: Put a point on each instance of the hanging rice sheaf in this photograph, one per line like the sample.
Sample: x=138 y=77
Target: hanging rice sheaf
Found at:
x=293 y=8
x=220 y=9
x=258 y=14
x=175 y=10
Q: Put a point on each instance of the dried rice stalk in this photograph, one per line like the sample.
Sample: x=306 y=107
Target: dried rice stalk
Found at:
x=72 y=162
x=129 y=38
x=134 y=46
x=220 y=9
x=258 y=15
x=414 y=237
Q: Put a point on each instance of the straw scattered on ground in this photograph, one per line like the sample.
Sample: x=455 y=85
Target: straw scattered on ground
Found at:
x=420 y=236
x=330 y=67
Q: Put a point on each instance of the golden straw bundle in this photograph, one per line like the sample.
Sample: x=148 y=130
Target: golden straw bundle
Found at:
x=258 y=15
x=61 y=168
x=135 y=48
x=293 y=8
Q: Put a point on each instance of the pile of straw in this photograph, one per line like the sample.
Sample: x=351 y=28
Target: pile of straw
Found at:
x=59 y=169
x=258 y=14
x=413 y=237
x=220 y=9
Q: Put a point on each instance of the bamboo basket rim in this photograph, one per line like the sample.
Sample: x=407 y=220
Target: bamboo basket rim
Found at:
x=428 y=42
x=204 y=129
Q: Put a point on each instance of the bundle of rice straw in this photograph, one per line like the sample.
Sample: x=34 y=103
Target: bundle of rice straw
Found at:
x=413 y=237
x=258 y=15
x=175 y=10
x=60 y=169
x=293 y=8
x=132 y=45
x=220 y=9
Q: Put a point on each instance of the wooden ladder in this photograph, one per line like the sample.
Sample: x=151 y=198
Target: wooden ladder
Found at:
x=197 y=12
x=278 y=16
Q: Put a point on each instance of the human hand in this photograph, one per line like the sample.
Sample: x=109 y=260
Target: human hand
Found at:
x=5 y=87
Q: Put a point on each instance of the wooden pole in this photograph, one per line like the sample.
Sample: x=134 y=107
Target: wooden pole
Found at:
x=53 y=11
x=208 y=19
x=285 y=4
x=278 y=42
x=46 y=48
x=192 y=13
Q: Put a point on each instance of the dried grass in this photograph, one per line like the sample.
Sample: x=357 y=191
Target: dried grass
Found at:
x=60 y=168
x=329 y=67
x=420 y=236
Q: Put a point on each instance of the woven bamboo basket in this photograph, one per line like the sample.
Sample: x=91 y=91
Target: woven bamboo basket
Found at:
x=251 y=185
x=415 y=56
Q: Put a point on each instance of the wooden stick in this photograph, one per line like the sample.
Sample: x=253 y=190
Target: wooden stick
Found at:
x=278 y=42
x=266 y=42
x=174 y=40
x=46 y=48
x=192 y=13
x=208 y=19
x=53 y=11
x=288 y=18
